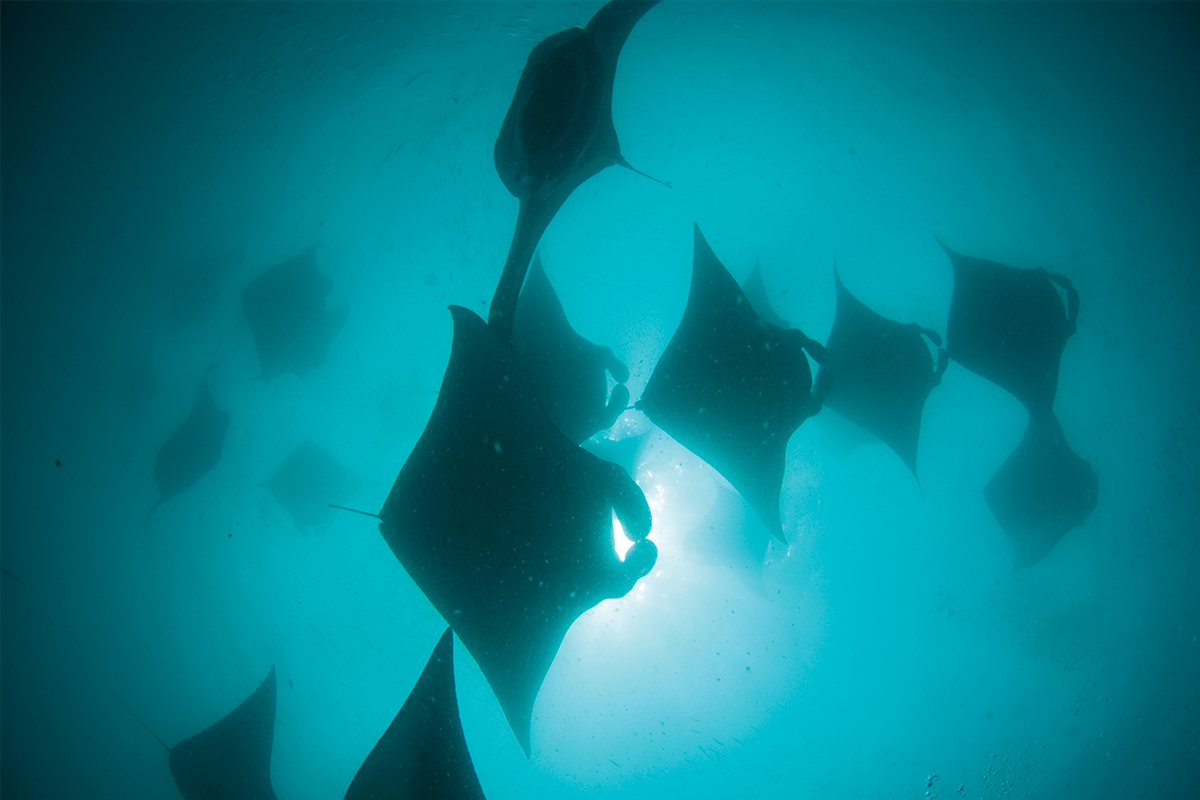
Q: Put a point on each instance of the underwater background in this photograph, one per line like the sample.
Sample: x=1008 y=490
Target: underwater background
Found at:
x=157 y=158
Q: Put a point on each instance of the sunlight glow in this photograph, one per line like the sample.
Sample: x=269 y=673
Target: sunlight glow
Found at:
x=621 y=542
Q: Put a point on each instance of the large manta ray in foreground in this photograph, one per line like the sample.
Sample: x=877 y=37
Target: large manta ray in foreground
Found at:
x=733 y=388
x=503 y=522
x=506 y=525
x=558 y=133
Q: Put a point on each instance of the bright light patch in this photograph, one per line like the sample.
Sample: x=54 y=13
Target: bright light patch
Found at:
x=621 y=542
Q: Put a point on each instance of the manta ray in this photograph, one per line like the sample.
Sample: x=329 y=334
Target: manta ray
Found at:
x=505 y=524
x=733 y=388
x=307 y=482
x=880 y=373
x=1009 y=326
x=558 y=133
x=423 y=753
x=566 y=370
x=1041 y=491
x=192 y=450
x=285 y=308
x=230 y=759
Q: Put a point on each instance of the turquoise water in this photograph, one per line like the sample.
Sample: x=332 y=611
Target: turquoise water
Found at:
x=157 y=158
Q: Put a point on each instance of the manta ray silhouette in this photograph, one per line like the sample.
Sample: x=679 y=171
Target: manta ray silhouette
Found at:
x=192 y=450
x=285 y=308
x=566 y=370
x=558 y=133
x=1009 y=326
x=506 y=525
x=1041 y=491
x=733 y=388
x=423 y=753
x=880 y=373
x=307 y=482
x=230 y=759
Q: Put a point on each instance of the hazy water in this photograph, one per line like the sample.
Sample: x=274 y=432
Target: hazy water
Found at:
x=156 y=158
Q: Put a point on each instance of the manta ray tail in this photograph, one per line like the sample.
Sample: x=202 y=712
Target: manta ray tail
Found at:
x=139 y=719
x=622 y=162
x=153 y=508
x=355 y=511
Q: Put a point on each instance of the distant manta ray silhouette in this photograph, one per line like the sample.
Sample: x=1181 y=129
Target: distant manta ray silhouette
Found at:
x=192 y=450
x=230 y=759
x=558 y=133
x=1041 y=491
x=285 y=309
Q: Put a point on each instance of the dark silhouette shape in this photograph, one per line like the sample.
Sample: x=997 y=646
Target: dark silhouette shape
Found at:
x=306 y=483
x=231 y=759
x=423 y=753
x=756 y=292
x=1041 y=491
x=732 y=388
x=1009 y=326
x=731 y=538
x=566 y=370
x=285 y=307
x=879 y=373
x=505 y=525
x=623 y=451
x=192 y=450
x=558 y=133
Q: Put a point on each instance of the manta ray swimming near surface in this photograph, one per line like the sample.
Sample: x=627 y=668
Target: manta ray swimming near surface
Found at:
x=558 y=133
x=1008 y=325
x=505 y=524
x=230 y=759
x=192 y=450
x=566 y=370
x=880 y=373
x=733 y=388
